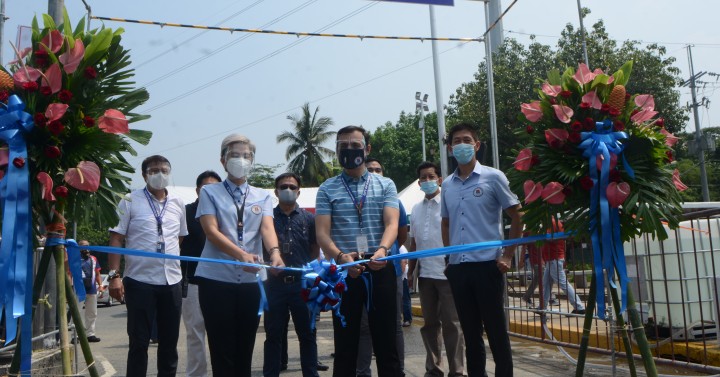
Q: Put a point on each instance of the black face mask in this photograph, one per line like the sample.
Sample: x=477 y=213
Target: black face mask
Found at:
x=351 y=158
x=85 y=254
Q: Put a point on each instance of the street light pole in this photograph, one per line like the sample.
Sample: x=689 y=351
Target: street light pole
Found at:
x=699 y=138
x=421 y=106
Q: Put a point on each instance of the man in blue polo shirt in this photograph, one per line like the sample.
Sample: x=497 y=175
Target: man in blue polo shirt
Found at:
x=473 y=198
x=357 y=217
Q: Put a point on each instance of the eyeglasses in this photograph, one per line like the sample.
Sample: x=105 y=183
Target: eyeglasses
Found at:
x=291 y=187
x=375 y=170
x=350 y=144
x=153 y=171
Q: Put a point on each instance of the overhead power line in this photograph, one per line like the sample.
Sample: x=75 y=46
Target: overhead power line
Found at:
x=295 y=33
x=210 y=83
x=226 y=46
x=241 y=11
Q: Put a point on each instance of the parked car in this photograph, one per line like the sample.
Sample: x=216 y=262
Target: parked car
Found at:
x=103 y=298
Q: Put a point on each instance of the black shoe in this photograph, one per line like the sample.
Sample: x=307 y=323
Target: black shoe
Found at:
x=578 y=311
x=93 y=339
x=322 y=367
x=283 y=367
x=153 y=341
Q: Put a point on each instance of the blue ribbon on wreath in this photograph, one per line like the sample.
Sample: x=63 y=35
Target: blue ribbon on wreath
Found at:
x=16 y=278
x=322 y=288
x=607 y=244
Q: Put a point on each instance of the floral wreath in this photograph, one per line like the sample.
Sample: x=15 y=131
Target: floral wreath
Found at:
x=584 y=111
x=77 y=87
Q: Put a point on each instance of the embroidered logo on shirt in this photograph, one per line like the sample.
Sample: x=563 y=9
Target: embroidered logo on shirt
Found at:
x=256 y=209
x=477 y=192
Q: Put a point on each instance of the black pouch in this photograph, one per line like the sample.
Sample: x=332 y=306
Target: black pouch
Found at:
x=184 y=284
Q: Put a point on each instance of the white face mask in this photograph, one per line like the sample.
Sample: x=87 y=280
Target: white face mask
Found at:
x=239 y=167
x=158 y=181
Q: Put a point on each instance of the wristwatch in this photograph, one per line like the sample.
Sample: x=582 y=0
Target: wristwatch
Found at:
x=383 y=247
x=113 y=274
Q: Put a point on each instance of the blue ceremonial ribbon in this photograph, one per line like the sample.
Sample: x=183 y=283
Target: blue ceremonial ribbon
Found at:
x=74 y=263
x=16 y=249
x=607 y=245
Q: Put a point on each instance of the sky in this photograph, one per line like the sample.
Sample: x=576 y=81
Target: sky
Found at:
x=205 y=85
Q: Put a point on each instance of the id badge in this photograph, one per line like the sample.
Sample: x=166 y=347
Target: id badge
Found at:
x=286 y=248
x=160 y=247
x=361 y=242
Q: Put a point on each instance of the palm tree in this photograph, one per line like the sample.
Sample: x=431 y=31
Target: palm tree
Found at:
x=308 y=134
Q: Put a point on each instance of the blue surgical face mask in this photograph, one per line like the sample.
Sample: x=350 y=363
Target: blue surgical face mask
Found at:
x=429 y=187
x=463 y=153
x=287 y=196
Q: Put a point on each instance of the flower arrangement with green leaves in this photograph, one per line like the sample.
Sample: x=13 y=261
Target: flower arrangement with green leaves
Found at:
x=78 y=88
x=582 y=109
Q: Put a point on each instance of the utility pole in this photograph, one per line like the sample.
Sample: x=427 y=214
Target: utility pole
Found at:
x=2 y=29
x=55 y=10
x=491 y=91
x=422 y=107
x=699 y=138
x=438 y=97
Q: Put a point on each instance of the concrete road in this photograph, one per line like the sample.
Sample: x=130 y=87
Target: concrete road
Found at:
x=531 y=359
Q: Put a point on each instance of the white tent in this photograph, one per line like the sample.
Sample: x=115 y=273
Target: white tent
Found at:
x=409 y=196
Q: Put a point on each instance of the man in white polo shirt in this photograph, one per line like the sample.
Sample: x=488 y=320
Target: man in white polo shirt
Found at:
x=436 y=299
x=152 y=220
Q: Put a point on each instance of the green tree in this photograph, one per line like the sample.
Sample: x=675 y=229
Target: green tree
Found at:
x=263 y=176
x=399 y=146
x=305 y=149
x=689 y=168
x=516 y=69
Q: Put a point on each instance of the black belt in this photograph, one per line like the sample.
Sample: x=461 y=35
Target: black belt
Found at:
x=287 y=279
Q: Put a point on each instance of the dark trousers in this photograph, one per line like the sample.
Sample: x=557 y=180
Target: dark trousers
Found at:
x=281 y=298
x=231 y=320
x=406 y=302
x=145 y=303
x=478 y=292
x=381 y=318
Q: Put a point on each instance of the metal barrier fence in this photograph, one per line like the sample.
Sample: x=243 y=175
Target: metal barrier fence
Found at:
x=675 y=284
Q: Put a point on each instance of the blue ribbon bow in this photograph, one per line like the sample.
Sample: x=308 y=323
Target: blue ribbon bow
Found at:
x=16 y=278
x=607 y=245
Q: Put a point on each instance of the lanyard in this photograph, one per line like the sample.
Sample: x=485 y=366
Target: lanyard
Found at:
x=240 y=210
x=158 y=215
x=358 y=204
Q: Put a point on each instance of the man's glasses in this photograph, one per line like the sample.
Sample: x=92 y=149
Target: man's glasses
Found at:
x=375 y=170
x=291 y=187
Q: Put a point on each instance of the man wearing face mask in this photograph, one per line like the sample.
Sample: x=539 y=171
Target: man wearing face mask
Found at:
x=153 y=220
x=436 y=299
x=295 y=229
x=93 y=285
x=473 y=199
x=237 y=219
x=356 y=216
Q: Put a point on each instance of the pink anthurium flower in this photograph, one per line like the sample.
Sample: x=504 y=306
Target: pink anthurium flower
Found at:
x=47 y=186
x=599 y=71
x=599 y=160
x=617 y=193
x=583 y=74
x=53 y=41
x=551 y=90
x=670 y=139
x=72 y=57
x=645 y=101
x=26 y=74
x=553 y=193
x=113 y=122
x=643 y=116
x=84 y=177
x=532 y=111
x=532 y=191
x=563 y=113
x=523 y=162
x=592 y=99
x=55 y=111
x=556 y=137
x=53 y=78
x=677 y=182
x=20 y=55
